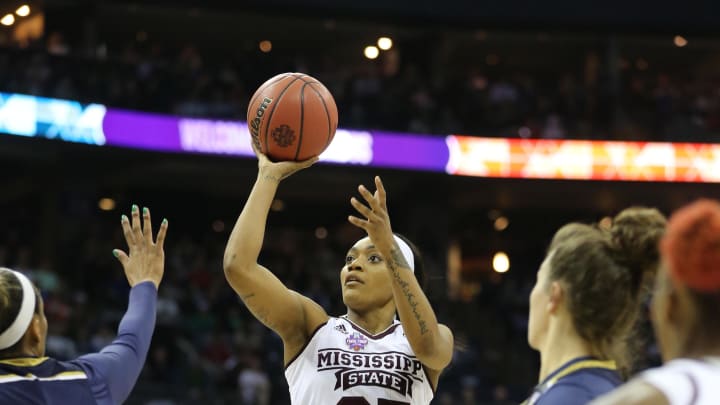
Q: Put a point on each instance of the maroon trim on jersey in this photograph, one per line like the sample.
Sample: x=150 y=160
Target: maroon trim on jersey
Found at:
x=304 y=346
x=380 y=335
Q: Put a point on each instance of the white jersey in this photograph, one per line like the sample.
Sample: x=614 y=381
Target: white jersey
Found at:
x=343 y=364
x=687 y=381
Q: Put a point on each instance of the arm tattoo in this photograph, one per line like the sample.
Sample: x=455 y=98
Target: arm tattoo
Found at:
x=398 y=258
x=278 y=178
x=271 y=178
x=405 y=288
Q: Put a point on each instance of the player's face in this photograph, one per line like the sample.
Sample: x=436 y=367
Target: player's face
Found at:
x=539 y=300
x=365 y=279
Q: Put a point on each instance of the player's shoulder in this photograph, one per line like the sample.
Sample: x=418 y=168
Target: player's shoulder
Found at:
x=680 y=375
x=581 y=387
x=682 y=365
x=636 y=392
x=599 y=378
x=567 y=393
x=682 y=380
x=337 y=322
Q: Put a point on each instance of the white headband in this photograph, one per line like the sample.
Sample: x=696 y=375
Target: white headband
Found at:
x=17 y=329
x=406 y=252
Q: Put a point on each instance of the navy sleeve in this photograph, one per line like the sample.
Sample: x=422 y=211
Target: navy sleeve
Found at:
x=566 y=394
x=112 y=373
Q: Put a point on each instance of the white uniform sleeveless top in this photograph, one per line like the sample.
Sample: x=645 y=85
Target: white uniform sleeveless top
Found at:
x=687 y=381
x=343 y=364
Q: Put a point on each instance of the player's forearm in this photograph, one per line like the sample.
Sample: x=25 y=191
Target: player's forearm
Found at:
x=247 y=236
x=139 y=319
x=113 y=371
x=417 y=316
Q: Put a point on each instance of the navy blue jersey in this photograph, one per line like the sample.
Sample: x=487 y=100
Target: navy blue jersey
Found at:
x=102 y=378
x=43 y=381
x=576 y=382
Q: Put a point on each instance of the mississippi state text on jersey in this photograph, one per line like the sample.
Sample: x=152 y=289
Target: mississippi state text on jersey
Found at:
x=343 y=364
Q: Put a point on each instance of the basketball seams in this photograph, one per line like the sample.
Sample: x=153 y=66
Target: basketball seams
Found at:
x=287 y=85
x=303 y=76
x=327 y=113
x=302 y=119
x=258 y=93
x=272 y=111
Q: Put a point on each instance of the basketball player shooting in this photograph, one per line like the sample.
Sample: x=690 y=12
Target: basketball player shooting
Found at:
x=367 y=356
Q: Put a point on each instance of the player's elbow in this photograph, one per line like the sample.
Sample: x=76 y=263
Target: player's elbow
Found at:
x=435 y=356
x=434 y=360
x=436 y=350
x=234 y=266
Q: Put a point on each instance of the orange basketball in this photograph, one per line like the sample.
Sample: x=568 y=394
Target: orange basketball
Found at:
x=292 y=116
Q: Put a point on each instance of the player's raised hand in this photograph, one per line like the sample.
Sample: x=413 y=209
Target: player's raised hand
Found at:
x=376 y=220
x=277 y=171
x=145 y=260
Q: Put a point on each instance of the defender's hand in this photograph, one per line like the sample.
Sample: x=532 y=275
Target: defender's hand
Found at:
x=146 y=258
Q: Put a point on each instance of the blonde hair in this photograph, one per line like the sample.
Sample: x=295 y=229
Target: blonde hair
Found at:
x=11 y=296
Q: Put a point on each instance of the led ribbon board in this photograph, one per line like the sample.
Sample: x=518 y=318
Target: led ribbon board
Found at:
x=96 y=124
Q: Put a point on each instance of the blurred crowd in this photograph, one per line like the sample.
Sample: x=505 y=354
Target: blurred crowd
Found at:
x=208 y=347
x=403 y=90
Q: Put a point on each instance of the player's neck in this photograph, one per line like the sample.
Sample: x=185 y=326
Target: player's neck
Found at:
x=374 y=321
x=561 y=346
